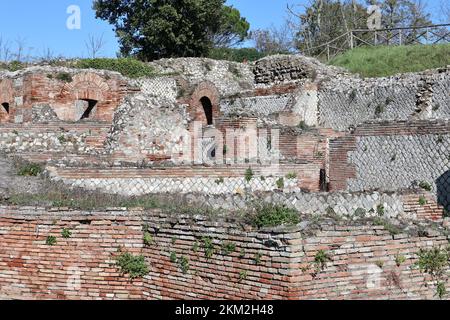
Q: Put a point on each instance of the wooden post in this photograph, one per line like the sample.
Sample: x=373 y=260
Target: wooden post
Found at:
x=400 y=37
x=351 y=39
x=328 y=52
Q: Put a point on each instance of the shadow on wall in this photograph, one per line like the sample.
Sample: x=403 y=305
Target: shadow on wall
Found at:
x=443 y=190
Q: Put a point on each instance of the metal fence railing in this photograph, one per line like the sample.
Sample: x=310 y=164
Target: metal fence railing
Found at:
x=425 y=35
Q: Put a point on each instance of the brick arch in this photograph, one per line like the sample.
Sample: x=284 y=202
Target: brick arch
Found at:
x=87 y=85
x=196 y=107
x=6 y=96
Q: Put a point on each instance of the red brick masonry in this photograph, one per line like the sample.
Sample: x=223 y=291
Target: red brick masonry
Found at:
x=269 y=264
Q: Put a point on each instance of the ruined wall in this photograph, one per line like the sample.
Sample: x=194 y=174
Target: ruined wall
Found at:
x=346 y=102
x=286 y=68
x=184 y=179
x=147 y=128
x=266 y=264
x=51 y=139
x=229 y=77
x=66 y=91
x=393 y=156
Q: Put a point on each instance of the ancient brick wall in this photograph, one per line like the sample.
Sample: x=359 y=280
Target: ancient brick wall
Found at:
x=393 y=156
x=363 y=262
x=188 y=258
x=66 y=91
x=347 y=102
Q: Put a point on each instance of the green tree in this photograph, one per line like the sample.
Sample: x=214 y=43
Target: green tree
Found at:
x=326 y=20
x=154 y=29
x=233 y=29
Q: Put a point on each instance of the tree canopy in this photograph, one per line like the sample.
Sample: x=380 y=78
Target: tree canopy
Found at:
x=325 y=20
x=154 y=29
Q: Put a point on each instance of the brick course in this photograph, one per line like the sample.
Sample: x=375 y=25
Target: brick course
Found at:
x=83 y=266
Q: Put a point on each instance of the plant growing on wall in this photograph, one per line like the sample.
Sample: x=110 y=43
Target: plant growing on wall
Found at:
x=64 y=76
x=249 y=175
x=435 y=262
x=425 y=186
x=379 y=109
x=242 y=275
x=422 y=201
x=148 y=239
x=257 y=258
x=183 y=263
x=270 y=215
x=320 y=259
x=66 y=233
x=30 y=170
x=50 y=241
x=208 y=247
x=380 y=210
x=291 y=175
x=134 y=266
x=228 y=248
x=399 y=259
x=280 y=183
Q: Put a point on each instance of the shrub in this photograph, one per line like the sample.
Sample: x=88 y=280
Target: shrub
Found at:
x=441 y=291
x=249 y=175
x=238 y=55
x=64 y=76
x=242 y=275
x=184 y=264
x=228 y=248
x=380 y=210
x=435 y=262
x=148 y=239
x=208 y=247
x=257 y=258
x=134 y=266
x=320 y=259
x=291 y=175
x=128 y=67
x=399 y=260
x=425 y=186
x=422 y=201
x=393 y=230
x=65 y=233
x=15 y=66
x=270 y=215
x=280 y=183
x=30 y=169
x=50 y=241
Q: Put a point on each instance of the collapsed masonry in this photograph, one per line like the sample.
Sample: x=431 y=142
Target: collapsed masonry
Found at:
x=328 y=140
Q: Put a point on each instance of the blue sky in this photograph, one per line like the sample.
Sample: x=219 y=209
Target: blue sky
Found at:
x=42 y=24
